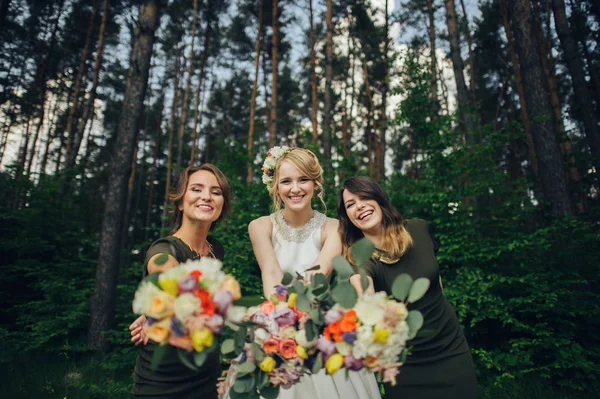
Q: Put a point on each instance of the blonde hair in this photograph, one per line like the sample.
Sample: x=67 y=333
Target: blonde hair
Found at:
x=308 y=164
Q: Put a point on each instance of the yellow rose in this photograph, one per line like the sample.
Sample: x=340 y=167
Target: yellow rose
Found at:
x=268 y=364
x=202 y=338
x=169 y=286
x=334 y=363
x=301 y=352
x=161 y=305
x=292 y=300
x=231 y=284
x=381 y=335
x=159 y=330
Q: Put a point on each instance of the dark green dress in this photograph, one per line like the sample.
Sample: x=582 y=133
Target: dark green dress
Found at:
x=172 y=379
x=440 y=364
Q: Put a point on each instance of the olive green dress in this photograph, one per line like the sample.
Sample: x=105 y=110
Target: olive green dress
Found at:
x=440 y=364
x=172 y=379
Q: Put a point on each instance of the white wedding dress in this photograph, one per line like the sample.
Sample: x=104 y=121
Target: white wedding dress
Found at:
x=296 y=250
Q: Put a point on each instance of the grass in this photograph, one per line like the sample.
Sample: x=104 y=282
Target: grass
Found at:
x=65 y=376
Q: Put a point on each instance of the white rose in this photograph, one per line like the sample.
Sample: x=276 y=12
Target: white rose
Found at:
x=184 y=305
x=344 y=348
x=364 y=333
x=303 y=341
x=260 y=334
x=174 y=273
x=375 y=349
x=236 y=313
x=359 y=351
x=143 y=295
x=368 y=313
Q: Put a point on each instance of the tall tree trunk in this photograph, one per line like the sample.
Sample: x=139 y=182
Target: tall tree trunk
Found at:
x=371 y=144
x=51 y=132
x=154 y=169
x=313 y=74
x=70 y=128
x=520 y=88
x=266 y=88
x=552 y=174
x=172 y=119
x=327 y=128
x=274 y=73
x=383 y=123
x=188 y=84
x=104 y=296
x=458 y=66
x=249 y=168
x=4 y=4
x=470 y=52
x=585 y=109
x=432 y=49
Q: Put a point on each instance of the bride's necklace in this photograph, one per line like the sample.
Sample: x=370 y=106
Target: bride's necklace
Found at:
x=299 y=234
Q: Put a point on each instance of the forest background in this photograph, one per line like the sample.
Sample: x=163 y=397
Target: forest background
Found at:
x=481 y=117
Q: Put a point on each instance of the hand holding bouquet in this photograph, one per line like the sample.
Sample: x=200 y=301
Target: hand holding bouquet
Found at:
x=187 y=306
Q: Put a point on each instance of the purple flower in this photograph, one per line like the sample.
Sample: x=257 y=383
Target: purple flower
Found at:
x=215 y=323
x=150 y=320
x=349 y=336
x=284 y=317
x=260 y=318
x=351 y=363
x=270 y=172
x=325 y=346
x=177 y=327
x=280 y=290
x=332 y=315
x=187 y=284
x=222 y=300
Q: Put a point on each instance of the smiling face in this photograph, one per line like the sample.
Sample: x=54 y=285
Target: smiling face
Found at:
x=363 y=213
x=203 y=199
x=293 y=187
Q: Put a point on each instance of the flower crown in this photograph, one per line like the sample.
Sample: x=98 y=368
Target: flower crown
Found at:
x=268 y=166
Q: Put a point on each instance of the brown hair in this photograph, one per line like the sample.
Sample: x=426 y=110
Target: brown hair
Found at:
x=396 y=239
x=178 y=192
x=308 y=164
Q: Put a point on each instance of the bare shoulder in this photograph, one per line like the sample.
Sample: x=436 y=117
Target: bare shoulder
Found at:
x=260 y=225
x=331 y=226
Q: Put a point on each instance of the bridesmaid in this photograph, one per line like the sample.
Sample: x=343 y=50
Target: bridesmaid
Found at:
x=440 y=365
x=201 y=198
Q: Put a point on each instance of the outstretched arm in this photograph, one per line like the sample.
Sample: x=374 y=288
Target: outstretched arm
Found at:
x=355 y=281
x=259 y=231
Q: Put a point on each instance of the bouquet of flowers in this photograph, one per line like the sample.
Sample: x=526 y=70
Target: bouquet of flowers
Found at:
x=187 y=306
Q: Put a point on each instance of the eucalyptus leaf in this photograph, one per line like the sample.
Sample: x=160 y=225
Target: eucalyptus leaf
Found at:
x=153 y=278
x=270 y=392
x=319 y=280
x=401 y=286
x=160 y=353
x=403 y=356
x=235 y=395
x=240 y=336
x=318 y=364
x=228 y=346
x=246 y=368
x=200 y=357
x=415 y=322
x=184 y=357
x=342 y=267
x=344 y=294
x=262 y=380
x=302 y=303
x=313 y=268
x=364 y=281
x=299 y=286
x=316 y=316
x=418 y=289
x=244 y=384
x=310 y=331
x=257 y=352
x=249 y=300
x=362 y=251
x=319 y=291
x=161 y=259
x=287 y=278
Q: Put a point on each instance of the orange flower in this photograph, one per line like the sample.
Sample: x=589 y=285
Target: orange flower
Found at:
x=350 y=314
x=267 y=306
x=201 y=294
x=370 y=361
x=271 y=345
x=208 y=307
x=333 y=332
x=287 y=348
x=348 y=322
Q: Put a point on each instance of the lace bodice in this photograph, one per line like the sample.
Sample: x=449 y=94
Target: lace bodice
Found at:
x=296 y=248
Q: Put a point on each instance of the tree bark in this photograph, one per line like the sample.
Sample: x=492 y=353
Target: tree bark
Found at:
x=274 y=72
x=327 y=130
x=552 y=174
x=104 y=296
x=186 y=93
x=4 y=4
x=585 y=109
x=458 y=66
x=432 y=49
x=384 y=92
x=313 y=75
x=470 y=52
x=257 y=43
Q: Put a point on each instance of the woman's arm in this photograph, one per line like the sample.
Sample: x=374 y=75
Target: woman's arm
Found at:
x=332 y=246
x=260 y=231
x=355 y=281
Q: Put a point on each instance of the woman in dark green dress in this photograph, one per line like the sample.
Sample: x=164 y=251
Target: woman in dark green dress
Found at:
x=440 y=364
x=201 y=198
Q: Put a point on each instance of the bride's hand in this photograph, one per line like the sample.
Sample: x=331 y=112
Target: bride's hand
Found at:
x=136 y=329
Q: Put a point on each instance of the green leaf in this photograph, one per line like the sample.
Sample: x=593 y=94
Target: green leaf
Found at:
x=262 y=379
x=311 y=330
x=228 y=346
x=299 y=287
x=159 y=354
x=250 y=300
x=240 y=336
x=153 y=278
x=184 y=357
x=287 y=278
x=415 y=322
x=313 y=268
x=161 y=259
x=270 y=392
x=344 y=294
x=302 y=303
x=418 y=289
x=318 y=364
x=319 y=280
x=362 y=251
x=364 y=281
x=257 y=352
x=401 y=286
x=342 y=267
x=316 y=316
x=246 y=368
x=244 y=384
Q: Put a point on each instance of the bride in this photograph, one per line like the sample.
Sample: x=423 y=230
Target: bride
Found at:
x=294 y=238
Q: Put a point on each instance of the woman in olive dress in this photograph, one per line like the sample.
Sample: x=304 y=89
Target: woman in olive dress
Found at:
x=440 y=364
x=201 y=198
